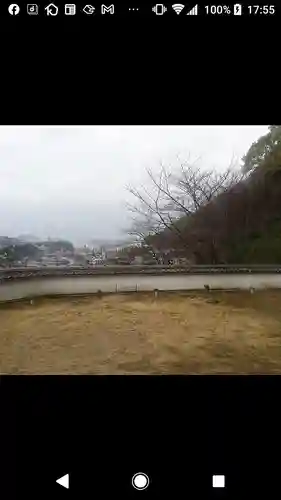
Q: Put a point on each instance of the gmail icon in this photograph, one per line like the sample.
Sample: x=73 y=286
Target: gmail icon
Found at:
x=109 y=10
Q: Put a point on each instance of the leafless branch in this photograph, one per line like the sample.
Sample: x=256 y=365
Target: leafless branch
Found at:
x=175 y=194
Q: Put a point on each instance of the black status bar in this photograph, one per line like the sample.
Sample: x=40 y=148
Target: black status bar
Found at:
x=135 y=9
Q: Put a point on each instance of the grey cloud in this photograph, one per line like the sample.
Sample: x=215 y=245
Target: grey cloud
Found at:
x=70 y=181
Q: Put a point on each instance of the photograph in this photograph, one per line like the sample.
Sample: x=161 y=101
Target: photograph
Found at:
x=140 y=250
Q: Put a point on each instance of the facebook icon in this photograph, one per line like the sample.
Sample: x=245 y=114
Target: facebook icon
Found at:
x=13 y=9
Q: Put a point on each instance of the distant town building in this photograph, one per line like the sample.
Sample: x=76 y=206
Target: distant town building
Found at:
x=111 y=254
x=138 y=260
x=97 y=261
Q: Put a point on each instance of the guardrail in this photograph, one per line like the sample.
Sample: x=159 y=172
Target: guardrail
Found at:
x=9 y=274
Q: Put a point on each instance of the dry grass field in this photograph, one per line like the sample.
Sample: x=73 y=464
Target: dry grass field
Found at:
x=176 y=333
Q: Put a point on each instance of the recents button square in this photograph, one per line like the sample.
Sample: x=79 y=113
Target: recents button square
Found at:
x=218 y=481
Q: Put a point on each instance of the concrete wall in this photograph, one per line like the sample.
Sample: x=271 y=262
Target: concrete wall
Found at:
x=121 y=283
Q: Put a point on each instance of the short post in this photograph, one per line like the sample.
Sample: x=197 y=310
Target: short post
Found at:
x=156 y=293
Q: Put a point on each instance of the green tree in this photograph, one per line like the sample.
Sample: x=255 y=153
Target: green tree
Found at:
x=266 y=151
x=13 y=253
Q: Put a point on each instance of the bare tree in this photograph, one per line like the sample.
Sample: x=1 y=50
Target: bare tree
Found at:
x=172 y=196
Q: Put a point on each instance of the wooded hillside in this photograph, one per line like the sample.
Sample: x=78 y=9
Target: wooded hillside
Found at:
x=216 y=217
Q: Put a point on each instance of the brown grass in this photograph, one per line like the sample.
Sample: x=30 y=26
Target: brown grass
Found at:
x=219 y=332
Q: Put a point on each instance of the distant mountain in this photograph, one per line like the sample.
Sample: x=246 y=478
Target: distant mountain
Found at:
x=30 y=238
x=6 y=241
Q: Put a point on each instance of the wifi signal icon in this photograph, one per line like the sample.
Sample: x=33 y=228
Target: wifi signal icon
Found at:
x=178 y=7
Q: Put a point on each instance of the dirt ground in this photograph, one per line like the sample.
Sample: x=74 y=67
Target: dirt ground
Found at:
x=176 y=333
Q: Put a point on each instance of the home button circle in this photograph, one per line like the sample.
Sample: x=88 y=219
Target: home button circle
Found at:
x=140 y=481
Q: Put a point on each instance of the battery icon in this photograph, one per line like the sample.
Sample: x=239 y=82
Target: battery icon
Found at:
x=238 y=9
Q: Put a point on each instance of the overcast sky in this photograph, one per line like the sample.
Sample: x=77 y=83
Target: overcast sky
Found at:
x=70 y=181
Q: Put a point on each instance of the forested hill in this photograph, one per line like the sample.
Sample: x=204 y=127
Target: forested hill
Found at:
x=230 y=217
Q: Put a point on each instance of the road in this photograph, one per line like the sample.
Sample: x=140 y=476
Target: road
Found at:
x=91 y=284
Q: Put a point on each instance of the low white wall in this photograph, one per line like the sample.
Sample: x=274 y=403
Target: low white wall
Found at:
x=91 y=284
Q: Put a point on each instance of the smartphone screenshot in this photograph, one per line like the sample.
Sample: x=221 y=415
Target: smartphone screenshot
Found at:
x=140 y=281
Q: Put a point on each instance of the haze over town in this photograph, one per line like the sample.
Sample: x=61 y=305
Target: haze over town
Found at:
x=69 y=182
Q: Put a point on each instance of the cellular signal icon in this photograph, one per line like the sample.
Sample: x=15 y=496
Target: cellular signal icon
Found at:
x=178 y=7
x=193 y=12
